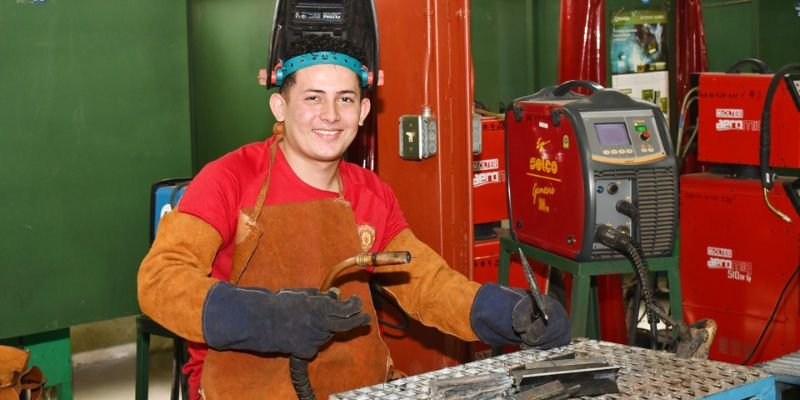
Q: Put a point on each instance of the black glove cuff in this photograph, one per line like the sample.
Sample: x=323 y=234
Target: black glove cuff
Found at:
x=490 y=316
x=228 y=315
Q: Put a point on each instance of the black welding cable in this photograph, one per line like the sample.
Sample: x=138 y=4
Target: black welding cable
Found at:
x=771 y=317
x=624 y=244
x=298 y=370
x=634 y=253
x=766 y=172
x=627 y=208
x=381 y=298
x=767 y=176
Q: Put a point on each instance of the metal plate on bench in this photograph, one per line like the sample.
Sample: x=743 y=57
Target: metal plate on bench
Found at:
x=643 y=374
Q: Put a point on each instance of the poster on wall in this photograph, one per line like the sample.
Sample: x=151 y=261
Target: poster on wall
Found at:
x=639 y=55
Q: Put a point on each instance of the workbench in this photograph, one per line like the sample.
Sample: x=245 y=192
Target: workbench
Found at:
x=643 y=374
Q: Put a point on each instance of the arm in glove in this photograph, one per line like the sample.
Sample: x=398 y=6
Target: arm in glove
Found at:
x=428 y=289
x=173 y=279
x=297 y=321
x=502 y=315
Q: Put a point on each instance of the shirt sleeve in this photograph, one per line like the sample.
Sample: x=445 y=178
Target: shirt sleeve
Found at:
x=395 y=220
x=214 y=196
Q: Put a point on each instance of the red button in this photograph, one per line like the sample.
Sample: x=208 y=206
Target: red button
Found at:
x=645 y=135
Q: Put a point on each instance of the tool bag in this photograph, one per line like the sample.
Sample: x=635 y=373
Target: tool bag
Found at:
x=16 y=381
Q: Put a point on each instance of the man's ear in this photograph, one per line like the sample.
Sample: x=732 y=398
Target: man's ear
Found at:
x=365 y=107
x=278 y=106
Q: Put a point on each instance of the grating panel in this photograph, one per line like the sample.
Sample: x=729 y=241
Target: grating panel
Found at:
x=643 y=374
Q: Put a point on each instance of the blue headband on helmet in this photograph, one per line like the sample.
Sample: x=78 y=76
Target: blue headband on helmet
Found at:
x=321 y=57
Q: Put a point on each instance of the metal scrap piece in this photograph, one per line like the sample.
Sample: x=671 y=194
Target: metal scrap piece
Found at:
x=496 y=386
x=549 y=391
x=593 y=375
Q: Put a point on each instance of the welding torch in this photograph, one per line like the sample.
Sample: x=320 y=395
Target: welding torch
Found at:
x=535 y=293
x=298 y=367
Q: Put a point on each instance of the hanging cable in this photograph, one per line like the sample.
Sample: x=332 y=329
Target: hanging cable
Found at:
x=682 y=117
x=689 y=143
x=767 y=175
x=771 y=316
x=426 y=67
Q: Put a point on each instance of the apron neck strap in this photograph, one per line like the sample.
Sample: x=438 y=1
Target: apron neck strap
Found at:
x=262 y=195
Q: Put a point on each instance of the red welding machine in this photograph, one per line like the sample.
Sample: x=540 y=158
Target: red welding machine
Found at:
x=737 y=256
x=729 y=110
x=572 y=158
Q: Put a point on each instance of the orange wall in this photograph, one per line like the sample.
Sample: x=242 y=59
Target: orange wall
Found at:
x=435 y=194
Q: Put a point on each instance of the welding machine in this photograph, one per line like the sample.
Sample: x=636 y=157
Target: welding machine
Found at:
x=730 y=107
x=739 y=252
x=575 y=162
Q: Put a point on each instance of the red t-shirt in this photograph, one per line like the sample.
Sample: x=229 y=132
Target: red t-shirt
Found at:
x=232 y=182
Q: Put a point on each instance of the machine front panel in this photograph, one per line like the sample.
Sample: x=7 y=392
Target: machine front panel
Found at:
x=546 y=185
x=623 y=137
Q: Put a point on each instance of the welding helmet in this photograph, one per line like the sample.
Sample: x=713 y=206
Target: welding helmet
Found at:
x=299 y=22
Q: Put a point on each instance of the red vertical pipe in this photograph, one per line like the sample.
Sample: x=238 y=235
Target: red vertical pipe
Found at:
x=582 y=55
x=582 y=44
x=690 y=44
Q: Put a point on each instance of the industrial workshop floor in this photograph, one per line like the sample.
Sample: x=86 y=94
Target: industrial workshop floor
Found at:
x=116 y=379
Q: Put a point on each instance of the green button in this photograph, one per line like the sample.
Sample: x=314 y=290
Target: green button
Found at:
x=641 y=128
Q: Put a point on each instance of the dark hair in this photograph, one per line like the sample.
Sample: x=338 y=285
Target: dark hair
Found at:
x=317 y=43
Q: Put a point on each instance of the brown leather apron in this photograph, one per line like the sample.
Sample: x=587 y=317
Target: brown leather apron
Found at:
x=294 y=246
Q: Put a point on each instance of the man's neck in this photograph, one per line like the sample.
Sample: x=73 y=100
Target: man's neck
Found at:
x=322 y=175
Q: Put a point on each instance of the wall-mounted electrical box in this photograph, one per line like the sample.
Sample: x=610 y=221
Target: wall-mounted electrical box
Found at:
x=417 y=136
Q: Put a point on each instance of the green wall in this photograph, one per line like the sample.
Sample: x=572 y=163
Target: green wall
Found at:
x=764 y=29
x=514 y=48
x=93 y=108
x=229 y=43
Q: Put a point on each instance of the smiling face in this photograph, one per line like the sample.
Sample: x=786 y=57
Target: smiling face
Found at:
x=322 y=111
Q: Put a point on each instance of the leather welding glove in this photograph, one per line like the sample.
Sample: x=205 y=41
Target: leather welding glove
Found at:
x=291 y=321
x=503 y=315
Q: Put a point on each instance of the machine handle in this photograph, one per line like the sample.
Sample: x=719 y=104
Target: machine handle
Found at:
x=567 y=86
x=763 y=68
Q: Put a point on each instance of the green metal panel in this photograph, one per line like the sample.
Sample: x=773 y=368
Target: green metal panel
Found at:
x=766 y=30
x=779 y=32
x=547 y=21
x=93 y=109
x=502 y=50
x=229 y=42
x=731 y=29
x=514 y=48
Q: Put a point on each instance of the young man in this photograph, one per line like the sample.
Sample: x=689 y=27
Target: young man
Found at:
x=233 y=268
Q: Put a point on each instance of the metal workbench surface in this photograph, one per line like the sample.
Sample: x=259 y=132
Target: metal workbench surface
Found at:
x=643 y=374
x=785 y=368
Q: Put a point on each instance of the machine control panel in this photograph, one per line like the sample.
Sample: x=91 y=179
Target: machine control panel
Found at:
x=623 y=136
